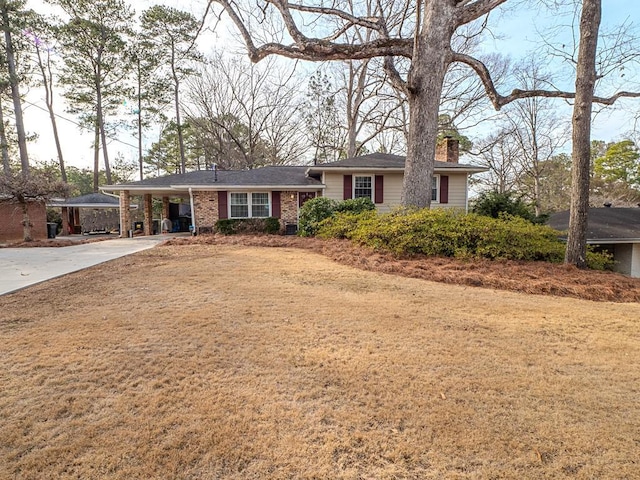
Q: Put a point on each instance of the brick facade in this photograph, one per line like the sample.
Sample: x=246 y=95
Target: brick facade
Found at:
x=448 y=150
x=206 y=206
x=206 y=210
x=288 y=208
x=11 y=228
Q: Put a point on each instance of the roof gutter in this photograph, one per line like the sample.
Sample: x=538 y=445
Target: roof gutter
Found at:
x=223 y=187
x=218 y=187
x=392 y=170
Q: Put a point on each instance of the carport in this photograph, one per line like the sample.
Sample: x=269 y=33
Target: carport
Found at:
x=170 y=210
x=94 y=212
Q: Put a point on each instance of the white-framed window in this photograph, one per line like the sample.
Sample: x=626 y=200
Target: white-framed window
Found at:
x=249 y=204
x=363 y=186
x=435 y=189
x=260 y=204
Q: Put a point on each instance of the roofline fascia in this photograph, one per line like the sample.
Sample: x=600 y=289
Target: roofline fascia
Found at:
x=394 y=169
x=84 y=205
x=218 y=187
x=248 y=187
x=355 y=169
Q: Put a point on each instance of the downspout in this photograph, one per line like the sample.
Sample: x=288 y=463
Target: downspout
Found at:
x=193 y=214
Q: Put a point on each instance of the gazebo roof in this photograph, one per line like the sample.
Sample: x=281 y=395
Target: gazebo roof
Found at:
x=91 y=200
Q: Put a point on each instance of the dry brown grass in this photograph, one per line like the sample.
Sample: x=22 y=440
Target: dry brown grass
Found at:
x=539 y=278
x=232 y=361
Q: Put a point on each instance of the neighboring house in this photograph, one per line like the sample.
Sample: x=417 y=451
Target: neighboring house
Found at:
x=11 y=216
x=94 y=212
x=279 y=191
x=616 y=230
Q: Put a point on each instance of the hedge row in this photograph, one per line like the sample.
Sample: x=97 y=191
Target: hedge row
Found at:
x=447 y=233
x=234 y=226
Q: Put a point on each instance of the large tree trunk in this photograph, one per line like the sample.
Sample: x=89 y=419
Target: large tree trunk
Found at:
x=48 y=88
x=103 y=133
x=576 y=252
x=140 y=159
x=15 y=90
x=431 y=59
x=4 y=146
x=96 y=156
x=26 y=221
x=176 y=99
x=183 y=160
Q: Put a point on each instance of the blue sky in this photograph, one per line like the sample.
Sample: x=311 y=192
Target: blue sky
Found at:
x=517 y=30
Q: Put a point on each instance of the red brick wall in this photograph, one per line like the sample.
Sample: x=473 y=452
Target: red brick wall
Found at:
x=206 y=210
x=447 y=150
x=11 y=221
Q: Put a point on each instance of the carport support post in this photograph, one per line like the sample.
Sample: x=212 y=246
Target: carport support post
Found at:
x=125 y=213
x=165 y=207
x=148 y=214
x=65 y=221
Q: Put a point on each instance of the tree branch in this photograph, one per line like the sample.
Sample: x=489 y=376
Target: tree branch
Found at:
x=470 y=12
x=500 y=101
x=314 y=49
x=394 y=76
x=370 y=23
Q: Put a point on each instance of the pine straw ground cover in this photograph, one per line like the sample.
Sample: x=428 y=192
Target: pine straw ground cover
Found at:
x=234 y=361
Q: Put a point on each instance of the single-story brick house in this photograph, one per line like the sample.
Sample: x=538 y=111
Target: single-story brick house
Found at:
x=279 y=191
x=616 y=230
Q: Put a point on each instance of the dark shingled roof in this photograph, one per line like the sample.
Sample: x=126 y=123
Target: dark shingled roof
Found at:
x=604 y=223
x=93 y=198
x=270 y=175
x=382 y=160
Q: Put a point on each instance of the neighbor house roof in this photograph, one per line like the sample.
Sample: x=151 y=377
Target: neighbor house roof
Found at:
x=387 y=161
x=605 y=225
x=270 y=177
x=91 y=200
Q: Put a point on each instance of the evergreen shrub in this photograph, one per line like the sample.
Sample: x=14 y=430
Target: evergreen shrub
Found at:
x=441 y=232
x=312 y=213
x=233 y=226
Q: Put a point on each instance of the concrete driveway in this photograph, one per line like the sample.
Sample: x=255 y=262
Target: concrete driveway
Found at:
x=22 y=267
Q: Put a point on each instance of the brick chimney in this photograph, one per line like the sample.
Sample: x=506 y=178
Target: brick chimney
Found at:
x=447 y=150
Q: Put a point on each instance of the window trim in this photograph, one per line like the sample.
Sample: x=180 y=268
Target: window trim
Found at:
x=249 y=194
x=372 y=179
x=436 y=178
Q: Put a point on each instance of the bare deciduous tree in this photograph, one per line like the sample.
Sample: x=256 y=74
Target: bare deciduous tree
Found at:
x=537 y=130
x=247 y=115
x=40 y=35
x=499 y=154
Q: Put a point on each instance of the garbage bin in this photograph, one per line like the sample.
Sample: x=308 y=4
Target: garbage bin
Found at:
x=52 y=229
